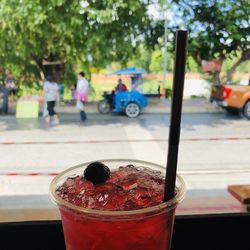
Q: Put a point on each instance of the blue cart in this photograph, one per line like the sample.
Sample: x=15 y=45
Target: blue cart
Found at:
x=130 y=102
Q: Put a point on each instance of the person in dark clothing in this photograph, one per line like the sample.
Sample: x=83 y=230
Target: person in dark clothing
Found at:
x=5 y=100
x=8 y=87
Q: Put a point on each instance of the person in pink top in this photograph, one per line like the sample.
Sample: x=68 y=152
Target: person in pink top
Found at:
x=82 y=90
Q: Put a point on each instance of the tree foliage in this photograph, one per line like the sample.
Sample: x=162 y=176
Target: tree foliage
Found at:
x=65 y=32
x=219 y=29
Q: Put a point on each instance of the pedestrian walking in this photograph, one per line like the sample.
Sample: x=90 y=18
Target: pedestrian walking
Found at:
x=82 y=89
x=10 y=83
x=50 y=94
x=5 y=100
x=7 y=89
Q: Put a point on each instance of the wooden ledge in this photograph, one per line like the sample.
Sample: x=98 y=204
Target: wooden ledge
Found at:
x=241 y=193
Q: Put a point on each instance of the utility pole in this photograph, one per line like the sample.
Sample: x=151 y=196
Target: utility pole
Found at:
x=164 y=84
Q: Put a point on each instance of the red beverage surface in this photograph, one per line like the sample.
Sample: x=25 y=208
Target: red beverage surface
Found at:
x=128 y=188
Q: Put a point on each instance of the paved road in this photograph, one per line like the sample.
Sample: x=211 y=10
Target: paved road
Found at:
x=214 y=148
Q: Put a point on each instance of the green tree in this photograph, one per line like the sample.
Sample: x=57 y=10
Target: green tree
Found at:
x=219 y=29
x=142 y=58
x=157 y=59
x=52 y=36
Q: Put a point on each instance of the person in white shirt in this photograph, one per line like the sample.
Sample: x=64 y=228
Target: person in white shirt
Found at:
x=82 y=90
x=50 y=94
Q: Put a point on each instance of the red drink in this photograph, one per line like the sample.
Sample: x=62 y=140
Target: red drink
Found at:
x=126 y=212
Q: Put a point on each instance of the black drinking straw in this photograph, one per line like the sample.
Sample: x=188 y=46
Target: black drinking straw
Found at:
x=175 y=121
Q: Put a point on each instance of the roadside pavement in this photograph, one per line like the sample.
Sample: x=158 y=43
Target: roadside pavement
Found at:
x=155 y=105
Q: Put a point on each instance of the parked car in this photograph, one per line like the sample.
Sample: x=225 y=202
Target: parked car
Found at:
x=233 y=98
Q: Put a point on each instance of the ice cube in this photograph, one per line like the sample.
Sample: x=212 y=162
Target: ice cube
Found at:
x=128 y=183
x=69 y=182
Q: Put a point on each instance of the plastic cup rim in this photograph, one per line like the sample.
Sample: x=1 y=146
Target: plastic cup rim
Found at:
x=169 y=205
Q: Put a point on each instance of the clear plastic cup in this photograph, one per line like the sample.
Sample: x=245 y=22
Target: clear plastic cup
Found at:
x=143 y=229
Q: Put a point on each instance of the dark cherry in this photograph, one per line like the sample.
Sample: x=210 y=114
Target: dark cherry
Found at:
x=97 y=172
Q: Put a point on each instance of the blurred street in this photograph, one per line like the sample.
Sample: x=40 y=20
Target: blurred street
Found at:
x=214 y=148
